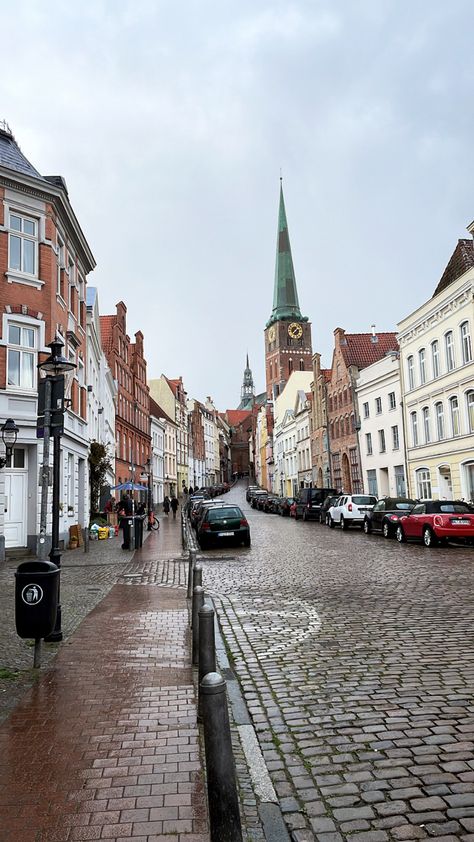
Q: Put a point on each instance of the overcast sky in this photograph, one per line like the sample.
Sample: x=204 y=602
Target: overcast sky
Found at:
x=170 y=121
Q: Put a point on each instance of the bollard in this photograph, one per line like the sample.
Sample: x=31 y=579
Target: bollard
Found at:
x=221 y=784
x=198 y=602
x=192 y=562
x=207 y=647
x=86 y=539
x=197 y=574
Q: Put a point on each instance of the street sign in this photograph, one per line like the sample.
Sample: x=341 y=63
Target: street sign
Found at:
x=143 y=477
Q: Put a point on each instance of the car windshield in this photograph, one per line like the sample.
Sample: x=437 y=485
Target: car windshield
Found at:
x=362 y=500
x=224 y=513
x=405 y=507
x=453 y=508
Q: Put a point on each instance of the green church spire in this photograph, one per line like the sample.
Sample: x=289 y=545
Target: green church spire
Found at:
x=285 y=295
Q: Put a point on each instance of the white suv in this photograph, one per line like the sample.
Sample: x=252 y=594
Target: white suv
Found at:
x=350 y=509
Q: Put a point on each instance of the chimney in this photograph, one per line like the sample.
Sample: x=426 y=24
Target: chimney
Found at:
x=374 y=338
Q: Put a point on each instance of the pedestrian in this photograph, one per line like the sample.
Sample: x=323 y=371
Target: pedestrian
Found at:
x=174 y=505
x=140 y=509
x=191 y=490
x=166 y=505
x=185 y=490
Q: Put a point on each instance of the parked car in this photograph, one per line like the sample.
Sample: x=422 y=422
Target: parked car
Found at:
x=284 y=504
x=437 y=520
x=197 y=511
x=256 y=497
x=220 y=524
x=270 y=504
x=309 y=502
x=386 y=514
x=249 y=491
x=328 y=502
x=350 y=509
x=193 y=500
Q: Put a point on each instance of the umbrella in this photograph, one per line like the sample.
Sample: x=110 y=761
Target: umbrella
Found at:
x=129 y=486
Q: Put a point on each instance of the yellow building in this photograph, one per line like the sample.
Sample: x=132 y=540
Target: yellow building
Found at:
x=437 y=385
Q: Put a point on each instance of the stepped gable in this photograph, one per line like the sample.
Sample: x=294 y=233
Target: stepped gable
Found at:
x=363 y=349
x=461 y=260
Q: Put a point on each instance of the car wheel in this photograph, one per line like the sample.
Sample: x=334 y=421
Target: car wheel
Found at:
x=304 y=517
x=331 y=523
x=429 y=538
x=321 y=518
x=385 y=529
x=400 y=535
x=343 y=524
x=367 y=527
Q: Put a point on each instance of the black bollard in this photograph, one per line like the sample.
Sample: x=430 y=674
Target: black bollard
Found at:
x=192 y=562
x=207 y=646
x=221 y=784
x=198 y=602
x=197 y=574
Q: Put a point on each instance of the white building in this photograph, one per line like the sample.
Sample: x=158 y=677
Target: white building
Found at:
x=303 y=417
x=381 y=439
x=101 y=387
x=284 y=433
x=157 y=462
x=211 y=443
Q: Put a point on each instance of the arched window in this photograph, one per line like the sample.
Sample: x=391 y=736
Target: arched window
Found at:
x=455 y=421
x=301 y=365
x=336 y=428
x=426 y=423
x=423 y=484
x=466 y=343
x=422 y=365
x=271 y=370
x=290 y=365
x=449 y=346
x=348 y=425
x=414 y=428
x=439 y=411
x=435 y=358
x=470 y=410
x=411 y=372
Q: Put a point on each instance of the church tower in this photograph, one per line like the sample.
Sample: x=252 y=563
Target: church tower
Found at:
x=287 y=333
x=247 y=391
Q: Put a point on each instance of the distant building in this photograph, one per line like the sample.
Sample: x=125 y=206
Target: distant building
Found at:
x=157 y=461
x=102 y=390
x=171 y=396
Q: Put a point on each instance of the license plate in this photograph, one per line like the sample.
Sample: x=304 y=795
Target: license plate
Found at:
x=224 y=534
x=460 y=522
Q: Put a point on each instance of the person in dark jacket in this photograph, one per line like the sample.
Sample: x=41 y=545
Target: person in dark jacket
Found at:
x=166 y=505
x=174 y=505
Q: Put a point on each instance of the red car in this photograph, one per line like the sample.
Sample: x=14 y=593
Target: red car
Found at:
x=437 y=520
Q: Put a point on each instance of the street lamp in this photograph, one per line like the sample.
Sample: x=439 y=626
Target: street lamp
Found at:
x=55 y=367
x=150 y=491
x=9 y=436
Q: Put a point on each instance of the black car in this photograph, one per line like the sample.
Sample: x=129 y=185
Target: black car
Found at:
x=222 y=524
x=386 y=514
x=309 y=502
x=284 y=504
x=256 y=497
x=271 y=504
x=328 y=502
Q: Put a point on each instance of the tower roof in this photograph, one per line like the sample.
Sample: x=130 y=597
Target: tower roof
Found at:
x=285 y=295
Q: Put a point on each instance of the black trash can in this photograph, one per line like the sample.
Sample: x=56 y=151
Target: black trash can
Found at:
x=126 y=525
x=138 y=531
x=36 y=598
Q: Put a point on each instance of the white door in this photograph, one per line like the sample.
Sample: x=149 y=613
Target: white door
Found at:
x=15 y=509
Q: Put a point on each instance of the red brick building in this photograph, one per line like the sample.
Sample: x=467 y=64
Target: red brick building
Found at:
x=240 y=424
x=132 y=422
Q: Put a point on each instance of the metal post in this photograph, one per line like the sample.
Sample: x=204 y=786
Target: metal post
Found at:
x=221 y=783
x=207 y=646
x=86 y=539
x=45 y=470
x=55 y=553
x=198 y=602
x=192 y=562
x=197 y=574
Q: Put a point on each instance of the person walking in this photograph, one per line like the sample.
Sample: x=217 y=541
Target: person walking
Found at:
x=174 y=505
x=166 y=505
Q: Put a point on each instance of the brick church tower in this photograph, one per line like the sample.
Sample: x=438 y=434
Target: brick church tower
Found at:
x=287 y=333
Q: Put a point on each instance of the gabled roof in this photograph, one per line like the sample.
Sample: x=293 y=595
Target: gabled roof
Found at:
x=361 y=350
x=12 y=157
x=326 y=372
x=158 y=412
x=106 y=331
x=461 y=260
x=237 y=416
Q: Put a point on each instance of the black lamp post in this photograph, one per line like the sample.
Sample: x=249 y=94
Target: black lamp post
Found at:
x=9 y=436
x=150 y=492
x=56 y=366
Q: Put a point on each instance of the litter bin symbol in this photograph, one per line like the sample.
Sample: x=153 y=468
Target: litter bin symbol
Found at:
x=32 y=594
x=36 y=598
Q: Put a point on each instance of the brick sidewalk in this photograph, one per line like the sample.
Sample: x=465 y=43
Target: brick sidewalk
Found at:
x=106 y=744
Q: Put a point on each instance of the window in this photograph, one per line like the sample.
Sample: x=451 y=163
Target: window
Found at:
x=21 y=356
x=449 y=345
x=470 y=411
x=422 y=365
x=368 y=443
x=395 y=438
x=466 y=343
x=414 y=429
x=60 y=259
x=290 y=365
x=22 y=243
x=439 y=411
x=301 y=365
x=391 y=400
x=400 y=480
x=425 y=412
x=70 y=482
x=423 y=484
x=378 y=405
x=366 y=410
x=411 y=373
x=435 y=358
x=382 y=447
x=454 y=409
x=372 y=482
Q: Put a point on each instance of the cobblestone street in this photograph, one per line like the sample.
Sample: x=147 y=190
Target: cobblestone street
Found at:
x=356 y=659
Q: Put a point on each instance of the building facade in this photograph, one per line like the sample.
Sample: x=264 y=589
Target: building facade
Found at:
x=171 y=396
x=437 y=376
x=320 y=458
x=285 y=441
x=157 y=460
x=44 y=263
x=196 y=451
x=102 y=390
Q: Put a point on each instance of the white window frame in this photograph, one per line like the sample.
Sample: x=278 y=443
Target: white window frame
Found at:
x=378 y=406
x=414 y=428
x=455 y=416
x=395 y=438
x=23 y=324
x=382 y=442
x=366 y=410
x=440 y=425
x=411 y=372
x=466 y=344
x=435 y=358
x=392 y=401
x=425 y=414
x=449 y=349
x=470 y=410
x=423 y=483
x=422 y=365
x=23 y=237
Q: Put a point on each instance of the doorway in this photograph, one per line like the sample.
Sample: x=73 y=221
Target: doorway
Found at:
x=445 y=483
x=346 y=475
x=16 y=482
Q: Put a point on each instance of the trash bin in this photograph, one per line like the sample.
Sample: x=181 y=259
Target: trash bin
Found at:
x=36 y=598
x=126 y=525
x=138 y=531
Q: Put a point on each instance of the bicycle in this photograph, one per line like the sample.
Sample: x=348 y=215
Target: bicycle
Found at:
x=153 y=521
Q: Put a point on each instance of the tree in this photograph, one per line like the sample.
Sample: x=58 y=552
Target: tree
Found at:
x=99 y=464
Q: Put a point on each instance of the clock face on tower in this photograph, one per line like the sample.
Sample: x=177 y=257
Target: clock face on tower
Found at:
x=271 y=334
x=295 y=330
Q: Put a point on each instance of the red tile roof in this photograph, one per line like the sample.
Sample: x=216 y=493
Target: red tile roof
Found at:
x=460 y=261
x=359 y=349
x=236 y=416
x=326 y=372
x=106 y=331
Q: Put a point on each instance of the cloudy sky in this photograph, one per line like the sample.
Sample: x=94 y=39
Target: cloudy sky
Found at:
x=171 y=119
